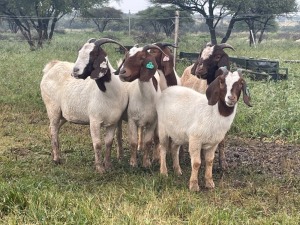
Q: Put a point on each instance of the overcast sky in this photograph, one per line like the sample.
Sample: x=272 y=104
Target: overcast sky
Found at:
x=133 y=5
x=137 y=5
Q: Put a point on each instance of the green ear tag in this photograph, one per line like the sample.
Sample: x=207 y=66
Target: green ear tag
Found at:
x=149 y=65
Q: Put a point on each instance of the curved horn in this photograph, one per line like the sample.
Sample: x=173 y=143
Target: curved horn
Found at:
x=150 y=46
x=160 y=44
x=108 y=40
x=91 y=40
x=225 y=45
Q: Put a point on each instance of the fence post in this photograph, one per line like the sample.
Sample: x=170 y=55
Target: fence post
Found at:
x=129 y=25
x=176 y=35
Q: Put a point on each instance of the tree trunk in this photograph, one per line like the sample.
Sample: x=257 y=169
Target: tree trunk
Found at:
x=212 y=31
x=52 y=28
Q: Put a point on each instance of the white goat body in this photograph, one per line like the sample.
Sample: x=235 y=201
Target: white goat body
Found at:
x=186 y=116
x=98 y=102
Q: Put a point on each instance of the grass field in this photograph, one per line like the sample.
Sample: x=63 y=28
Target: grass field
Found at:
x=35 y=191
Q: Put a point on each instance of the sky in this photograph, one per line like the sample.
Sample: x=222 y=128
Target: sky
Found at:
x=137 y=5
x=131 y=5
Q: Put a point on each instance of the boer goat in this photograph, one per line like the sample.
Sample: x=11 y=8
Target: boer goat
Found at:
x=186 y=116
x=96 y=97
x=140 y=69
x=203 y=72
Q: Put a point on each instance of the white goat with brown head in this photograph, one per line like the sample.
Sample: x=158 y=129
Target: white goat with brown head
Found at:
x=140 y=69
x=186 y=116
x=96 y=97
x=203 y=72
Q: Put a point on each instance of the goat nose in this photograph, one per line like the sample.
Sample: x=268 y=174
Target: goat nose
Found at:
x=231 y=97
x=122 y=71
x=75 y=69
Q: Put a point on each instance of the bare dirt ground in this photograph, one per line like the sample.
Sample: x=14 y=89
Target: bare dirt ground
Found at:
x=273 y=158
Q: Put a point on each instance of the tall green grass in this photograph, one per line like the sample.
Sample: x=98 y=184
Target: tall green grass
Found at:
x=35 y=191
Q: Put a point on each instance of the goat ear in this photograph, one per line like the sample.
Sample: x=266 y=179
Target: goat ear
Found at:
x=148 y=70
x=246 y=94
x=100 y=67
x=213 y=91
x=193 y=69
x=224 y=61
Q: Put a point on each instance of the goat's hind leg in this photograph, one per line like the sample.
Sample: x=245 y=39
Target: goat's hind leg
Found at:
x=175 y=157
x=56 y=121
x=148 y=137
x=119 y=134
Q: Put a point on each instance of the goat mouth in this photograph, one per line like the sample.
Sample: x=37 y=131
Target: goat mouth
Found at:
x=78 y=76
x=230 y=104
x=124 y=77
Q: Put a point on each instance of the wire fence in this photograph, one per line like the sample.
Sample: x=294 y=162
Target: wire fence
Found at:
x=287 y=26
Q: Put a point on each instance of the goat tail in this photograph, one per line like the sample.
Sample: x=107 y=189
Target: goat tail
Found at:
x=49 y=66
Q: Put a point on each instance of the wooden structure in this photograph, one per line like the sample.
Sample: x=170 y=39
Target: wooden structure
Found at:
x=258 y=69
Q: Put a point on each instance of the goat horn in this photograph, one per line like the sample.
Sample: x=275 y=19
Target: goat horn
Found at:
x=108 y=40
x=150 y=46
x=92 y=40
x=160 y=44
x=225 y=45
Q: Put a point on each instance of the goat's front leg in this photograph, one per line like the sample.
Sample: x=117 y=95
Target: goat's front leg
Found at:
x=133 y=136
x=195 y=152
x=209 y=156
x=109 y=136
x=95 y=134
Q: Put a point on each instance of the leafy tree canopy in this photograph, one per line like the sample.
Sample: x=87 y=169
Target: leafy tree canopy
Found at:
x=41 y=15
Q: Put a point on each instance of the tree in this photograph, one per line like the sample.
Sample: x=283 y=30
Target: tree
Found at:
x=162 y=18
x=40 y=16
x=102 y=16
x=259 y=15
x=213 y=11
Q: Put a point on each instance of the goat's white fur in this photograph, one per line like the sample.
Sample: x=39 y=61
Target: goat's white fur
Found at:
x=141 y=113
x=185 y=116
x=81 y=101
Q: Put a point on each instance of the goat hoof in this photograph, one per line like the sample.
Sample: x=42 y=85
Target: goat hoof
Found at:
x=224 y=165
x=58 y=161
x=147 y=163
x=164 y=173
x=133 y=163
x=194 y=186
x=100 y=169
x=178 y=172
x=209 y=184
x=107 y=165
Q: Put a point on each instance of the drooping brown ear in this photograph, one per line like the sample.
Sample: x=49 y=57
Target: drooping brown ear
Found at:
x=148 y=69
x=246 y=94
x=213 y=91
x=193 y=69
x=224 y=61
x=100 y=67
